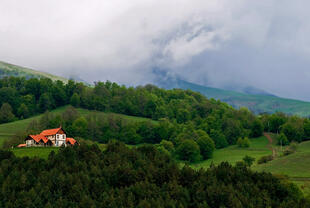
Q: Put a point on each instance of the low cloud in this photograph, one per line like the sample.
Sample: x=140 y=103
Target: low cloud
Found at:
x=264 y=44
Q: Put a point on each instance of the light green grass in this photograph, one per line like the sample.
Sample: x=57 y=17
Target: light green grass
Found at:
x=26 y=72
x=7 y=130
x=294 y=165
x=233 y=154
x=41 y=152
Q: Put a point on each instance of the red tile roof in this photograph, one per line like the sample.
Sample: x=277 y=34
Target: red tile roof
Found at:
x=50 y=132
x=21 y=145
x=39 y=137
x=71 y=141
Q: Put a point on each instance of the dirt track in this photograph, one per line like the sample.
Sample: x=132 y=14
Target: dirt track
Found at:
x=274 y=154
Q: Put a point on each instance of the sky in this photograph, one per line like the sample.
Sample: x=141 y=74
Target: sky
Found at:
x=221 y=43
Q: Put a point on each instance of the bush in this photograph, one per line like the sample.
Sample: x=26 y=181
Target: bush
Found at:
x=188 y=150
x=244 y=143
x=206 y=146
x=218 y=138
x=291 y=149
x=282 y=140
x=248 y=160
x=265 y=159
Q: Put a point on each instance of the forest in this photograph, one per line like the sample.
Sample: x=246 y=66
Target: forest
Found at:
x=188 y=125
x=85 y=176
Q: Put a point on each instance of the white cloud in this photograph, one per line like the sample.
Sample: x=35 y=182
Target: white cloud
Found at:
x=224 y=42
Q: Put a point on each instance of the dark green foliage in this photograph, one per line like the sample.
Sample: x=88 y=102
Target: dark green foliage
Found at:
x=257 y=128
x=138 y=177
x=282 y=139
x=206 y=146
x=33 y=96
x=218 y=138
x=265 y=159
x=188 y=150
x=248 y=160
x=75 y=100
x=6 y=114
x=79 y=127
x=293 y=129
x=46 y=102
x=23 y=111
x=244 y=143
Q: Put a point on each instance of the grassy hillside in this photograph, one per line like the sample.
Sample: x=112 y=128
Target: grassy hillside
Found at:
x=256 y=103
x=233 y=154
x=295 y=166
x=9 y=129
x=7 y=69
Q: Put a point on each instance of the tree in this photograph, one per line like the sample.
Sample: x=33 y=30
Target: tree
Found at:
x=188 y=150
x=282 y=139
x=45 y=102
x=6 y=114
x=182 y=115
x=248 y=160
x=23 y=111
x=244 y=143
x=232 y=130
x=206 y=146
x=75 y=100
x=79 y=127
x=167 y=145
x=240 y=142
x=293 y=130
x=257 y=128
x=307 y=128
x=218 y=138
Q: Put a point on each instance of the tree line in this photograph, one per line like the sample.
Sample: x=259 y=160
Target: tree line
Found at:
x=85 y=176
x=182 y=114
x=288 y=128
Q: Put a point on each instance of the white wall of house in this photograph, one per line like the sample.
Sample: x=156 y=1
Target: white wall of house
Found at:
x=60 y=140
x=29 y=143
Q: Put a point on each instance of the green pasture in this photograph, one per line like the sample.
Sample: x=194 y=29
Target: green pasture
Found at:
x=232 y=154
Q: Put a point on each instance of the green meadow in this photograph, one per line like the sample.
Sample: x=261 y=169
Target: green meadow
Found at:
x=41 y=152
x=7 y=130
x=233 y=154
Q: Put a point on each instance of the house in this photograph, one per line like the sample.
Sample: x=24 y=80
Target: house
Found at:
x=50 y=138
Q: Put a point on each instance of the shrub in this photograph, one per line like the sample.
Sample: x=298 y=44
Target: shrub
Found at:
x=291 y=149
x=282 y=139
x=188 y=150
x=265 y=159
x=248 y=160
x=244 y=143
x=206 y=146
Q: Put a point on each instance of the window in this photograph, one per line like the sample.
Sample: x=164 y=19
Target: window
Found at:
x=57 y=136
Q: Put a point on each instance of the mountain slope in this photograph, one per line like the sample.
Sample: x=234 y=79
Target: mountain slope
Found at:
x=256 y=103
x=7 y=69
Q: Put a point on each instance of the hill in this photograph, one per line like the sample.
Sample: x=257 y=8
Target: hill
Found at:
x=256 y=100
x=7 y=69
x=7 y=130
x=257 y=103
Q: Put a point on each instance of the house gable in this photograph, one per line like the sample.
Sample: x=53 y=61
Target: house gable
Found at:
x=51 y=132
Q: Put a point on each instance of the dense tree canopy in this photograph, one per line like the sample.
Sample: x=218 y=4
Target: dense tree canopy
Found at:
x=139 y=177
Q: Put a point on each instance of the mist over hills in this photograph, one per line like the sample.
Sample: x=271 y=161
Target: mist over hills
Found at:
x=256 y=100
